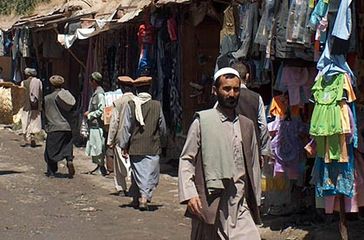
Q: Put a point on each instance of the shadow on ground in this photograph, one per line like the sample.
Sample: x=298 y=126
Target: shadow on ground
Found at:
x=7 y=172
x=151 y=207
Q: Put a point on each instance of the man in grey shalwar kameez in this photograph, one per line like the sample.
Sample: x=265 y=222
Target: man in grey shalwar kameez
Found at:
x=121 y=163
x=95 y=146
x=31 y=114
x=144 y=126
x=59 y=144
x=219 y=172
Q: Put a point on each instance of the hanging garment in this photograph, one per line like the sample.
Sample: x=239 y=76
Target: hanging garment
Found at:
x=294 y=78
x=248 y=20
x=288 y=148
x=228 y=39
x=283 y=49
x=334 y=178
x=318 y=13
x=24 y=42
x=266 y=23
x=2 y=44
x=331 y=65
x=297 y=30
x=343 y=23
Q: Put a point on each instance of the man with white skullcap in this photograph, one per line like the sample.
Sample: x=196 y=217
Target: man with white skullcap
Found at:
x=219 y=172
x=31 y=114
x=59 y=145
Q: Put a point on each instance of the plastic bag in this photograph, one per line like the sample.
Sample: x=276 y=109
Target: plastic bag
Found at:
x=84 y=128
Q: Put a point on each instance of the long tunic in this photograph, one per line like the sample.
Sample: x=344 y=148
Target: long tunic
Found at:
x=233 y=219
x=145 y=168
x=96 y=143
x=117 y=118
x=59 y=143
x=121 y=164
x=31 y=119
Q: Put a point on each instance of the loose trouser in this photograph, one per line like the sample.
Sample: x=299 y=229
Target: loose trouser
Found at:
x=144 y=175
x=121 y=169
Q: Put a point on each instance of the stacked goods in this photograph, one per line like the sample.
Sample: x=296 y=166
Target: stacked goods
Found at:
x=6 y=106
x=12 y=98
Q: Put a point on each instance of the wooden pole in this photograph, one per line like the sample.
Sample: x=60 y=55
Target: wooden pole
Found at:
x=343 y=225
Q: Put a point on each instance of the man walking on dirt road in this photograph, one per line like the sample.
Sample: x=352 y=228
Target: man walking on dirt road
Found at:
x=219 y=172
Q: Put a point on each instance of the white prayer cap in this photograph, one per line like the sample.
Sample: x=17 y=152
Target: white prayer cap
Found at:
x=225 y=70
x=30 y=72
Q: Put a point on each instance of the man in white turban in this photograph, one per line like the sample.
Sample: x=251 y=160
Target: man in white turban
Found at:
x=31 y=115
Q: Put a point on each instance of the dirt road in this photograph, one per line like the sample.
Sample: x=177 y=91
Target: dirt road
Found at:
x=33 y=206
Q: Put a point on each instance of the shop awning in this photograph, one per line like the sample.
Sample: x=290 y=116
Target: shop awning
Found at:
x=57 y=11
x=131 y=9
x=141 y=4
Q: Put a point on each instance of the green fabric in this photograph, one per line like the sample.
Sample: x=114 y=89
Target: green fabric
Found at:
x=334 y=146
x=217 y=155
x=326 y=120
x=96 y=143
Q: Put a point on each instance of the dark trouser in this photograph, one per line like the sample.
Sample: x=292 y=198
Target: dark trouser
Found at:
x=58 y=147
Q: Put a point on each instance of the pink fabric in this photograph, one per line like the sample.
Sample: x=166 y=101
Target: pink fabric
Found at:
x=298 y=81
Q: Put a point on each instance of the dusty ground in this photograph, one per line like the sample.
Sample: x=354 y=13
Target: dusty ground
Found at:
x=33 y=206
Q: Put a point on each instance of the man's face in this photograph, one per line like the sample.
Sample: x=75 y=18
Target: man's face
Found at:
x=228 y=91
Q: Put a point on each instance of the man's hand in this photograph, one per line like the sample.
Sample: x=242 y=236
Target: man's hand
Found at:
x=264 y=160
x=194 y=206
x=124 y=153
x=111 y=146
x=85 y=114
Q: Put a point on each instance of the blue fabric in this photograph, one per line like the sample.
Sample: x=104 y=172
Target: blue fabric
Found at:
x=278 y=85
x=145 y=59
x=144 y=175
x=334 y=178
x=355 y=135
x=331 y=65
x=342 y=27
x=318 y=13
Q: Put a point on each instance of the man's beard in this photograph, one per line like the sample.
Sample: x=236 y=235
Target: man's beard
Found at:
x=229 y=102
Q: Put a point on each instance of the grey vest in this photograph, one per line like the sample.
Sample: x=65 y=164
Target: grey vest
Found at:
x=248 y=106
x=217 y=155
x=145 y=140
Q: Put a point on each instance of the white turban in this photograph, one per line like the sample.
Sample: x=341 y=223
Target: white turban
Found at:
x=30 y=72
x=226 y=70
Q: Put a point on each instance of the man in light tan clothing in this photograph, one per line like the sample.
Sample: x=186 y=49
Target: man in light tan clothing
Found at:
x=219 y=172
x=121 y=163
x=31 y=114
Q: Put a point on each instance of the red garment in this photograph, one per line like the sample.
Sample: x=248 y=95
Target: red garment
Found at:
x=145 y=34
x=172 y=28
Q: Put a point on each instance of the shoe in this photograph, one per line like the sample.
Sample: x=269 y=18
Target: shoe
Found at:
x=143 y=204
x=92 y=172
x=123 y=193
x=71 y=169
x=103 y=171
x=25 y=145
x=50 y=174
x=134 y=203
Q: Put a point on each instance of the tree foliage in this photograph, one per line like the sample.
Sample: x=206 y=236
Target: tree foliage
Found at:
x=18 y=6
